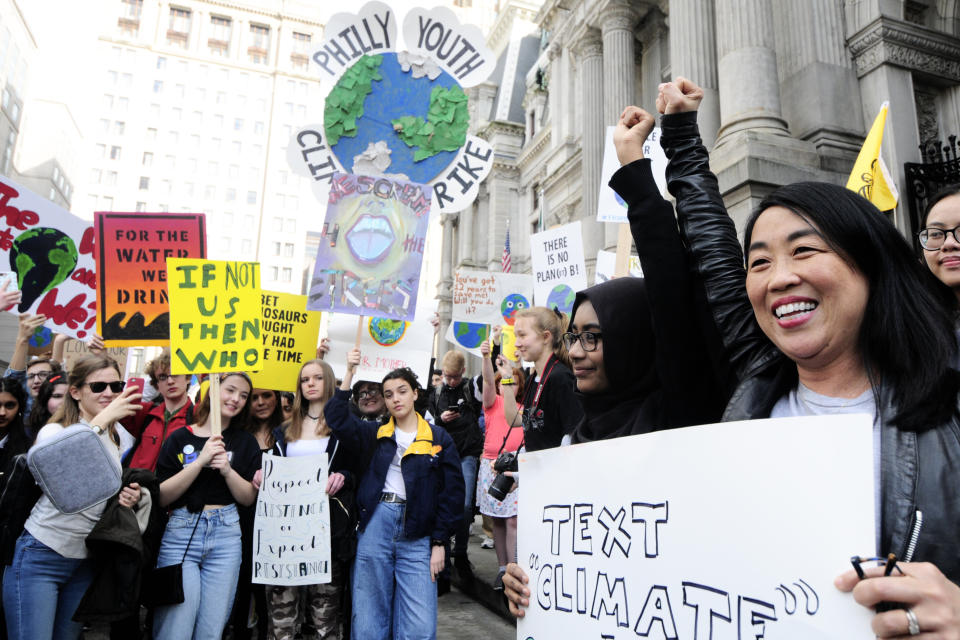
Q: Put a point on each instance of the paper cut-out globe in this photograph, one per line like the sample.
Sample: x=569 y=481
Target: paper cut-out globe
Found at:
x=386 y=332
x=470 y=334
x=396 y=94
x=562 y=298
x=511 y=305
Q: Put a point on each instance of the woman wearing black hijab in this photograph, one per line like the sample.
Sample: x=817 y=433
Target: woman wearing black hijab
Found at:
x=640 y=368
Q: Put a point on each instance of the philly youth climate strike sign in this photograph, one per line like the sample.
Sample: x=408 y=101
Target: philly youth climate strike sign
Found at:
x=369 y=258
x=734 y=530
x=291 y=531
x=394 y=109
x=132 y=251
x=289 y=339
x=51 y=251
x=215 y=316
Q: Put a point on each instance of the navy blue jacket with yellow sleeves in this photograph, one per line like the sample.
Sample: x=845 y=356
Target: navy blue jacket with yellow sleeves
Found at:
x=430 y=468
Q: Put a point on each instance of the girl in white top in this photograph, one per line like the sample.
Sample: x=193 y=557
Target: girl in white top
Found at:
x=50 y=571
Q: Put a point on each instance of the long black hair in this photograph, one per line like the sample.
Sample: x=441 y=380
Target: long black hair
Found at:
x=17 y=439
x=40 y=415
x=940 y=194
x=907 y=339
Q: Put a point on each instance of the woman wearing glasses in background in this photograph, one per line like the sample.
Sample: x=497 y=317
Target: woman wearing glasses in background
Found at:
x=938 y=237
x=50 y=570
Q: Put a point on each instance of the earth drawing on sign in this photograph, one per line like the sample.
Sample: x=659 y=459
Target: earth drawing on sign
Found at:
x=386 y=332
x=470 y=334
x=561 y=298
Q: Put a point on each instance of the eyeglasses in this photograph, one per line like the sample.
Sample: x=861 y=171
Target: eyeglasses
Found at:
x=42 y=375
x=372 y=393
x=163 y=377
x=932 y=238
x=10 y=405
x=100 y=387
x=588 y=340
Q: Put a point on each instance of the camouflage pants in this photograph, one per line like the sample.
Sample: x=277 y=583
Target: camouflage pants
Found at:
x=322 y=609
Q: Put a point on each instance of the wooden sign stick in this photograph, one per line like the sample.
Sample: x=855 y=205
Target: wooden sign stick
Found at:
x=356 y=343
x=214 y=393
x=624 y=242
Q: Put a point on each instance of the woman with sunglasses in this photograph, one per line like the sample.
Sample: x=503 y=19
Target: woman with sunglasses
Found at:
x=202 y=480
x=410 y=499
x=50 y=571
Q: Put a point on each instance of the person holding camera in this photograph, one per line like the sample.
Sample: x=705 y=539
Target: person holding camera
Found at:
x=455 y=406
x=496 y=487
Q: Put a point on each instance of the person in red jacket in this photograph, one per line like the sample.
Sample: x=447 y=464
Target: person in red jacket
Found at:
x=154 y=423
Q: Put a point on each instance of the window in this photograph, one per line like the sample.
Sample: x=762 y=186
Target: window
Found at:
x=173 y=137
x=259 y=43
x=178 y=34
x=188 y=188
x=170 y=161
x=52 y=194
x=126 y=80
x=258 y=127
x=233 y=172
x=228 y=218
x=118 y=127
x=196 y=118
x=107 y=203
x=107 y=101
x=114 y=152
x=210 y=192
x=144 y=183
x=293 y=203
x=100 y=152
x=112 y=76
x=180 y=91
x=287 y=274
x=104 y=125
x=111 y=178
x=151 y=133
x=213 y=167
x=123 y=104
x=231 y=195
x=147 y=158
x=154 y=111
x=141 y=206
x=251 y=197
x=276 y=249
x=161 y=62
x=301 y=43
x=221 y=97
x=225 y=244
x=246 y=246
x=236 y=147
x=277 y=224
x=195 y=141
x=290 y=225
x=165 y=187
x=95 y=176
x=129 y=21
x=248 y=221
x=158 y=86
x=220 y=30
x=215 y=143
x=163 y=207
x=238 y=124
x=288 y=250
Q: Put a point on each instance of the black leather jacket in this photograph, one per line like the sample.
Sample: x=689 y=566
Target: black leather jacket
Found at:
x=920 y=472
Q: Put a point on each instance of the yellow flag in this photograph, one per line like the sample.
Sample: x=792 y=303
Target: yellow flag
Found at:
x=870 y=177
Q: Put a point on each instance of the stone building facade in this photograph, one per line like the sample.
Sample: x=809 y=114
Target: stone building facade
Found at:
x=791 y=88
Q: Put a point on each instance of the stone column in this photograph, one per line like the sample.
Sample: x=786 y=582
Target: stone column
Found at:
x=747 y=68
x=445 y=290
x=591 y=148
x=619 y=64
x=693 y=55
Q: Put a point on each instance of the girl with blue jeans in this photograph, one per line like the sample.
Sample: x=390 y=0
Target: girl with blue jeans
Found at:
x=202 y=479
x=410 y=501
x=51 y=571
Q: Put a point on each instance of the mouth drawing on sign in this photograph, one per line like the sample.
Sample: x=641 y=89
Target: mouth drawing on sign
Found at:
x=370 y=238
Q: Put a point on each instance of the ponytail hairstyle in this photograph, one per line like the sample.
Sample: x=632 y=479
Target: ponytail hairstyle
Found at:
x=241 y=420
x=85 y=366
x=300 y=405
x=553 y=321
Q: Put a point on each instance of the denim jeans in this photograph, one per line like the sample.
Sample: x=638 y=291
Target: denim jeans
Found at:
x=393 y=595
x=209 y=573
x=41 y=591
x=468 y=466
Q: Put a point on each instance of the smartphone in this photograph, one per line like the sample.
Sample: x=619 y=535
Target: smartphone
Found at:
x=10 y=276
x=136 y=382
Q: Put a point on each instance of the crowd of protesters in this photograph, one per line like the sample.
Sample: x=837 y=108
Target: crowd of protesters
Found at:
x=823 y=309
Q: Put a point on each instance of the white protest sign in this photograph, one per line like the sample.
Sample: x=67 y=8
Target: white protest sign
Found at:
x=51 y=252
x=558 y=266
x=490 y=298
x=291 y=532
x=733 y=530
x=610 y=206
x=385 y=344
x=390 y=110
x=467 y=336
x=607 y=265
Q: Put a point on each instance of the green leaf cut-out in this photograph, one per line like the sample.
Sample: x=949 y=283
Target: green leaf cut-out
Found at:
x=344 y=104
x=445 y=128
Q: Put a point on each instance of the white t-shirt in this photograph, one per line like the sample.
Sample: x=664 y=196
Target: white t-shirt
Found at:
x=394 y=481
x=307 y=447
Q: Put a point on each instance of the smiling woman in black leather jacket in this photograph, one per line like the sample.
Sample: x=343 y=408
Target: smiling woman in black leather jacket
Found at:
x=832 y=310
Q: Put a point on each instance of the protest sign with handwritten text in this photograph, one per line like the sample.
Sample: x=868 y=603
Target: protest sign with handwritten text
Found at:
x=215 y=316
x=291 y=530
x=385 y=344
x=289 y=339
x=556 y=256
x=490 y=298
x=51 y=251
x=132 y=252
x=610 y=206
x=734 y=530
x=369 y=258
x=74 y=349
x=607 y=265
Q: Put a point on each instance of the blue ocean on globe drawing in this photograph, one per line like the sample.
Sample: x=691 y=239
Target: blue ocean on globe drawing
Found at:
x=470 y=334
x=397 y=94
